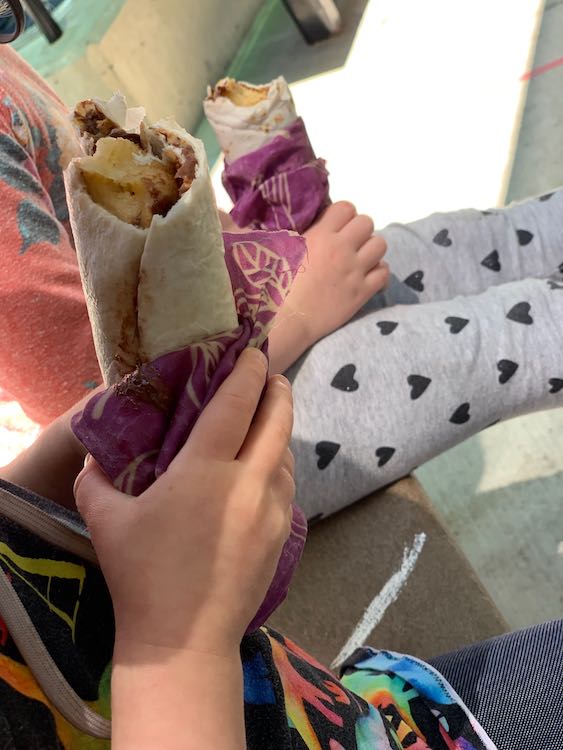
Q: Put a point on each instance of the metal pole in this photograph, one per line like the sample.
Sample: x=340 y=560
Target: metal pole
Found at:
x=43 y=19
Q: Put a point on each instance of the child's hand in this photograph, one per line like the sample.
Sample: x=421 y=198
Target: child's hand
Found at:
x=189 y=562
x=343 y=269
x=228 y=225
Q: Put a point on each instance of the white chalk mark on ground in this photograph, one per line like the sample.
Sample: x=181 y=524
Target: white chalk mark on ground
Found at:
x=388 y=594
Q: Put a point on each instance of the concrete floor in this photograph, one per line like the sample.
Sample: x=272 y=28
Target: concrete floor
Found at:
x=500 y=494
x=418 y=108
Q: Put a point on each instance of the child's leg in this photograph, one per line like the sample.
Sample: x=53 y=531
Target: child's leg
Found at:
x=512 y=684
x=396 y=387
x=466 y=252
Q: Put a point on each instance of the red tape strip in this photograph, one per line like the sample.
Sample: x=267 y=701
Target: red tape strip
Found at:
x=542 y=69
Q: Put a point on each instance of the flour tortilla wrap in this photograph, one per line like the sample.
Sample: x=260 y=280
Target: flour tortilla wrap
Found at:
x=173 y=304
x=149 y=290
x=271 y=172
x=245 y=117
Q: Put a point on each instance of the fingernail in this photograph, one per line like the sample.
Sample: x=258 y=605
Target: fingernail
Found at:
x=258 y=354
x=282 y=380
x=86 y=459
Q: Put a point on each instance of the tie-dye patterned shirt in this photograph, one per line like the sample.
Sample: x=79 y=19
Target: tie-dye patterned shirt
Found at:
x=383 y=701
x=43 y=318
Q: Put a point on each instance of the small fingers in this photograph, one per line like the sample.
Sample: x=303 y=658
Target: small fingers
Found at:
x=286 y=475
x=372 y=252
x=283 y=495
x=378 y=278
x=223 y=425
x=268 y=438
x=358 y=231
x=336 y=216
x=94 y=493
x=288 y=462
x=286 y=478
x=283 y=487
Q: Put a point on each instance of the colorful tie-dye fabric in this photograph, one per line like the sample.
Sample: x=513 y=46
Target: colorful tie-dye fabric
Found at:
x=384 y=701
x=43 y=320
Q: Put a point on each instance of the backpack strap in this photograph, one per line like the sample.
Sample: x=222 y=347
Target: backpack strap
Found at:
x=46 y=527
x=21 y=628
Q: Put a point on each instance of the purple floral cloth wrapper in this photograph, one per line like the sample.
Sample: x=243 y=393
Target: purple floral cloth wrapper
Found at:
x=281 y=185
x=136 y=428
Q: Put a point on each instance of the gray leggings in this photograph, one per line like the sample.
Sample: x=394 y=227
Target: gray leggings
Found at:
x=469 y=332
x=513 y=685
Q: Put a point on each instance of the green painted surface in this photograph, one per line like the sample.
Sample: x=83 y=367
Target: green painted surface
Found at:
x=246 y=65
x=83 y=22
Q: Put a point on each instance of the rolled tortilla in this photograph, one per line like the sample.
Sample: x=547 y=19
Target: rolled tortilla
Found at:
x=271 y=172
x=148 y=238
x=245 y=117
x=172 y=303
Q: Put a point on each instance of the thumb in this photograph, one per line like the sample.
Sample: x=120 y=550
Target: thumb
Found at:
x=93 y=493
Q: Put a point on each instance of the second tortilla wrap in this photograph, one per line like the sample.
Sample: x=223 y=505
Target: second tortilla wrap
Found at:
x=245 y=117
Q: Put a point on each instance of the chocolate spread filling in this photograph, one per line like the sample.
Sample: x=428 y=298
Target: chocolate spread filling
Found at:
x=186 y=172
x=144 y=384
x=93 y=122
